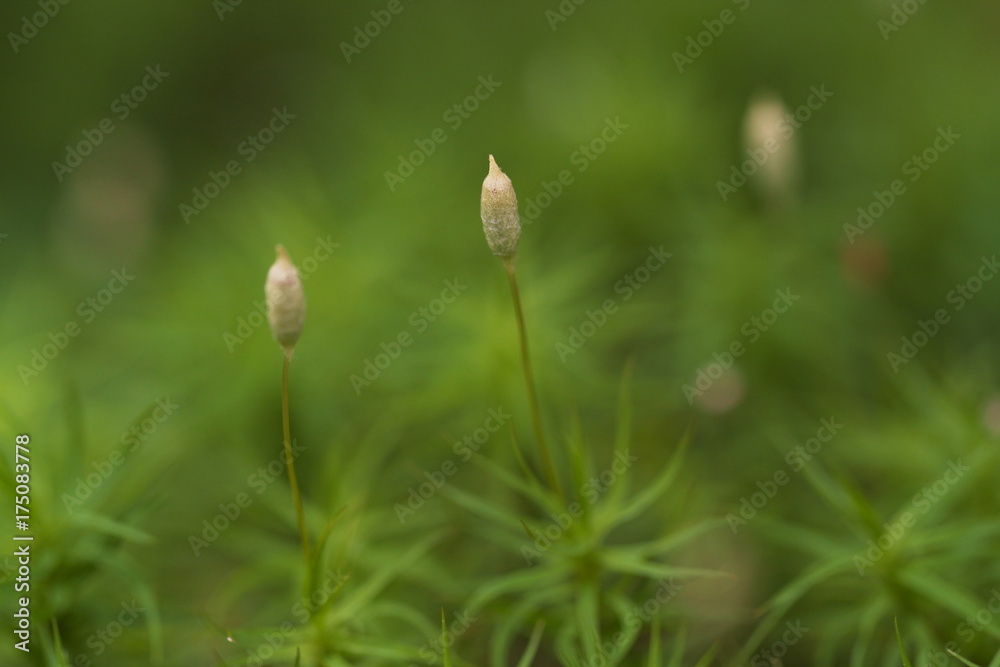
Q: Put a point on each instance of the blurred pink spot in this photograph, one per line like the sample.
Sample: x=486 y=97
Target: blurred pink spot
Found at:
x=725 y=393
x=991 y=415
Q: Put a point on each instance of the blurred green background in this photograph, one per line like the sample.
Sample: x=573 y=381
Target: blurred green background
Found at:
x=375 y=249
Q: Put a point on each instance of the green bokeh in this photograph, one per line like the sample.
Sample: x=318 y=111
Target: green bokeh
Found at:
x=177 y=329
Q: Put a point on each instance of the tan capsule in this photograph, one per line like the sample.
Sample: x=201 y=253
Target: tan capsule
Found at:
x=501 y=221
x=286 y=302
x=769 y=140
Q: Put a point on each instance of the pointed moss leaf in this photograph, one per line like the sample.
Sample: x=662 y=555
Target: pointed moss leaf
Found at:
x=532 y=648
x=513 y=582
x=642 y=500
x=902 y=651
x=944 y=594
x=356 y=599
x=477 y=505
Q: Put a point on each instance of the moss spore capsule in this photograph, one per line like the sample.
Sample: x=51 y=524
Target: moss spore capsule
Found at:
x=501 y=221
x=286 y=302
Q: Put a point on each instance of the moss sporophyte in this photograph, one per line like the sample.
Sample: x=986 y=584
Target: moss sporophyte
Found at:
x=502 y=226
x=286 y=313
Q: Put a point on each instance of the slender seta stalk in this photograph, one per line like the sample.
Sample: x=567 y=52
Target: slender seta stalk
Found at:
x=286 y=313
x=502 y=226
x=529 y=379
x=290 y=460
